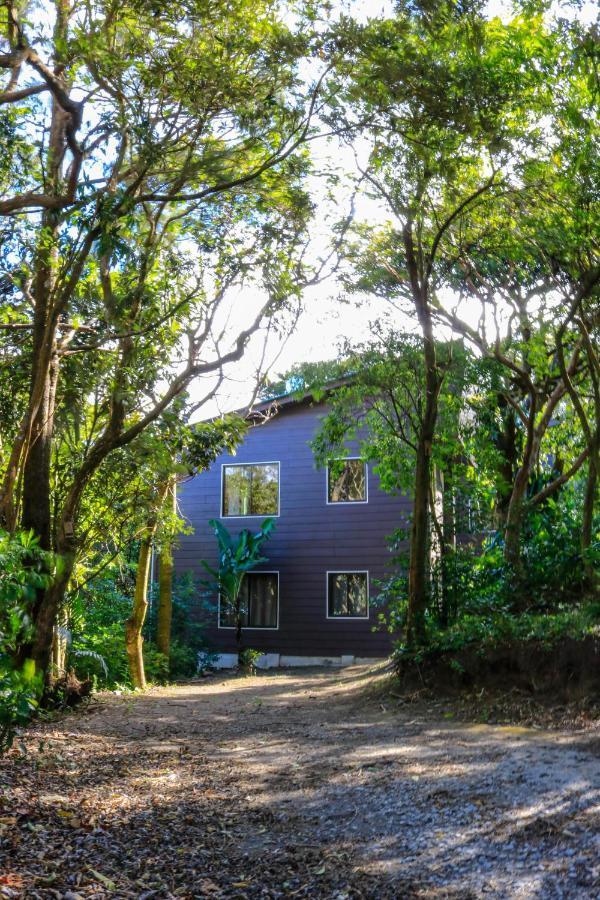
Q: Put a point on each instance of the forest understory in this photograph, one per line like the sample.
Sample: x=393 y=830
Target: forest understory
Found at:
x=308 y=783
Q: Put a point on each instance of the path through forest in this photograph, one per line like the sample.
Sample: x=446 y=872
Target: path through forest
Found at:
x=295 y=784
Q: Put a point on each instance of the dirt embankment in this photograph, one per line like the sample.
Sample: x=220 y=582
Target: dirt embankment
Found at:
x=566 y=670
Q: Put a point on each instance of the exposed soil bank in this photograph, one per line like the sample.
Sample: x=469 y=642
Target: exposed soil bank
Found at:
x=567 y=670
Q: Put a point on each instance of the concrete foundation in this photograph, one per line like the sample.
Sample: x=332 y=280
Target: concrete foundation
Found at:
x=281 y=661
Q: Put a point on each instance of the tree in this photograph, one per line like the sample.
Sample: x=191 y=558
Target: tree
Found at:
x=433 y=156
x=155 y=162
x=380 y=404
x=165 y=576
x=135 y=623
x=237 y=556
x=146 y=472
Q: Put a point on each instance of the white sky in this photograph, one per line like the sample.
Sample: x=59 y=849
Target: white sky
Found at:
x=324 y=322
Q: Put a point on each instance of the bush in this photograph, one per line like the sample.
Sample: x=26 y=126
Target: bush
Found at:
x=185 y=630
x=24 y=569
x=474 y=601
x=188 y=639
x=97 y=648
x=156 y=664
x=100 y=654
x=486 y=632
x=20 y=691
x=247 y=660
x=184 y=660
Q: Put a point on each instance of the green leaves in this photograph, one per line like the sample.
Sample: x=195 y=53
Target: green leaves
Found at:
x=24 y=569
x=238 y=554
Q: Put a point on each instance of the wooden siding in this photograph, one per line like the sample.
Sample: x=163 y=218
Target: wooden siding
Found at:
x=310 y=539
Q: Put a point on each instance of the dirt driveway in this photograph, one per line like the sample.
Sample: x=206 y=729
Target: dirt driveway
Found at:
x=298 y=784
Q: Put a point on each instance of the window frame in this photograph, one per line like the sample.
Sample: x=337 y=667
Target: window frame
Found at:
x=347 y=572
x=251 y=627
x=347 y=502
x=229 y=465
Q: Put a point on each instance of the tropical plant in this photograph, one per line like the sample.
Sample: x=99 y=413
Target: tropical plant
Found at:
x=238 y=555
x=24 y=570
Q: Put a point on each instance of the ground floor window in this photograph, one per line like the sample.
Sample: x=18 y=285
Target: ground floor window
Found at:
x=259 y=601
x=348 y=595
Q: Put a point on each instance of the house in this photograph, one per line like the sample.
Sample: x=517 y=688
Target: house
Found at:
x=312 y=602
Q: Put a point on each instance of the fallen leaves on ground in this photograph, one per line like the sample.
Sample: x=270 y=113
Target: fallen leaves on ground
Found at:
x=319 y=790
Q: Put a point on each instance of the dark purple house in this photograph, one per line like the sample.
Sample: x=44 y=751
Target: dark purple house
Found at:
x=312 y=602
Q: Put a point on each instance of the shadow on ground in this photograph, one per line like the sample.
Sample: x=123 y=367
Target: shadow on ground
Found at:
x=300 y=783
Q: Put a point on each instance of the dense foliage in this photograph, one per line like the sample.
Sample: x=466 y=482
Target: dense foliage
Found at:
x=24 y=569
x=97 y=640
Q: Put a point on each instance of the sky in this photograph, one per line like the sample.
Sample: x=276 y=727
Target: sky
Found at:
x=325 y=322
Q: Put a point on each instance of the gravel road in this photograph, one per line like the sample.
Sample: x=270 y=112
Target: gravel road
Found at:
x=299 y=783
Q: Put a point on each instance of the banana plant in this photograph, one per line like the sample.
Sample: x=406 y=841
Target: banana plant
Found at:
x=238 y=554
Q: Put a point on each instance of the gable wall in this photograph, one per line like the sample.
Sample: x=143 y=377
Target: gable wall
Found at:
x=310 y=539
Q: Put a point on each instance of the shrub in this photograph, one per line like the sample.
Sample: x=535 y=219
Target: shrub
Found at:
x=100 y=654
x=486 y=632
x=474 y=602
x=184 y=660
x=188 y=638
x=20 y=691
x=156 y=664
x=247 y=660
x=24 y=569
x=98 y=616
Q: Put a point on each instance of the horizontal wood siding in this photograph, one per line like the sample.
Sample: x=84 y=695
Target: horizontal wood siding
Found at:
x=311 y=538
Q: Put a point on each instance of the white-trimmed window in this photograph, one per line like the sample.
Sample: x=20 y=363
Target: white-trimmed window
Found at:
x=250 y=489
x=347 y=480
x=259 y=602
x=348 y=595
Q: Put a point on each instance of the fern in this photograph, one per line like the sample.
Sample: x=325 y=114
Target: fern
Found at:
x=92 y=655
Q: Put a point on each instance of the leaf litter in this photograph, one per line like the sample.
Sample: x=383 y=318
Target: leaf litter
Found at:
x=294 y=784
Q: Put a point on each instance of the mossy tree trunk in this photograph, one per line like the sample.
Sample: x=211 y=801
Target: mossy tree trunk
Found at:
x=133 y=626
x=165 y=579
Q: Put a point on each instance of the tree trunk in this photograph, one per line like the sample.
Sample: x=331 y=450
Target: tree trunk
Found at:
x=35 y=440
x=418 y=588
x=513 y=525
x=514 y=516
x=589 y=508
x=134 y=624
x=165 y=580
x=41 y=648
x=36 y=514
x=133 y=627
x=418 y=566
x=506 y=445
x=59 y=648
x=592 y=437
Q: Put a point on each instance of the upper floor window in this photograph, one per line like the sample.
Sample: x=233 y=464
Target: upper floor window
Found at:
x=347 y=481
x=251 y=490
x=259 y=595
x=348 y=595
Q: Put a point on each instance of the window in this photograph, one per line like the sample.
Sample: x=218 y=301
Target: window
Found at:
x=251 y=490
x=348 y=595
x=347 y=481
x=259 y=596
